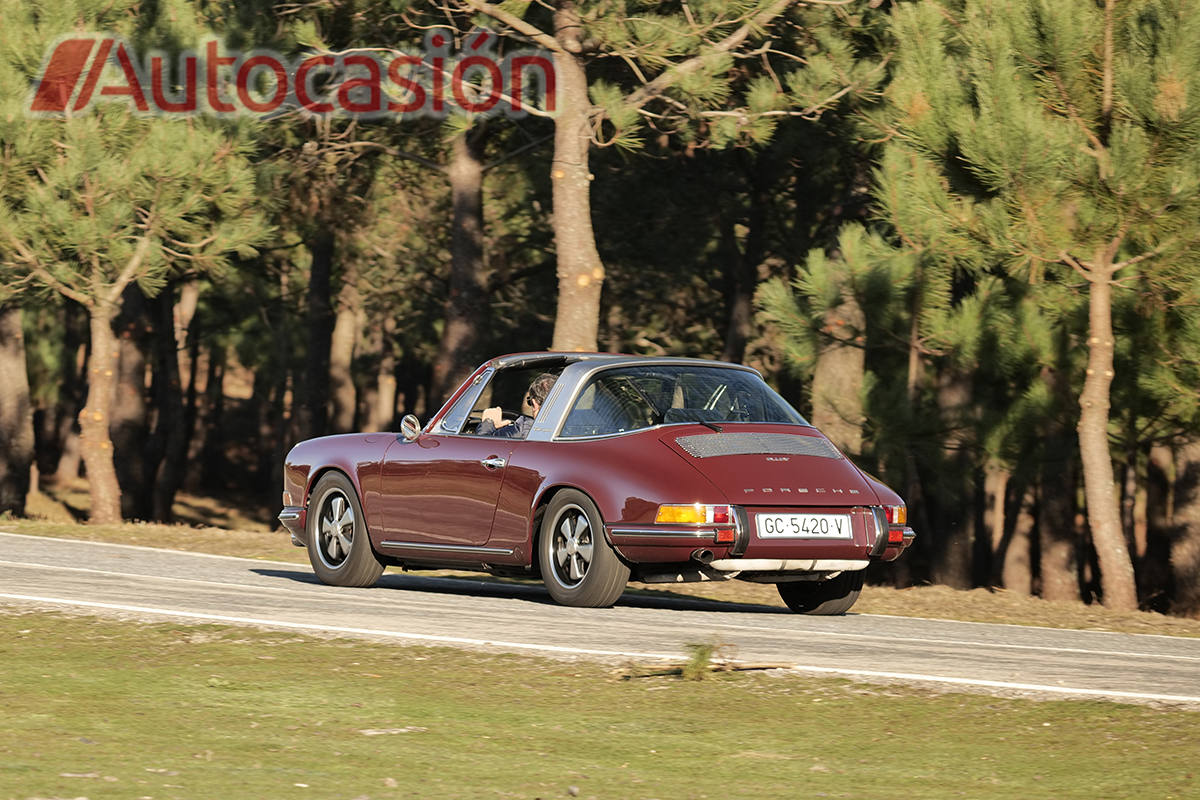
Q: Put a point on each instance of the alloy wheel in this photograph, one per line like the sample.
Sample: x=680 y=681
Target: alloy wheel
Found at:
x=337 y=529
x=573 y=546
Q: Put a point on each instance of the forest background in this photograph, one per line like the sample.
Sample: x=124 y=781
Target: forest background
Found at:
x=959 y=235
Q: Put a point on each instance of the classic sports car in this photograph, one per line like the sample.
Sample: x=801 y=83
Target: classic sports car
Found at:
x=658 y=470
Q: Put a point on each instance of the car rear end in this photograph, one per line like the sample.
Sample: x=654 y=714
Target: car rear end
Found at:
x=793 y=507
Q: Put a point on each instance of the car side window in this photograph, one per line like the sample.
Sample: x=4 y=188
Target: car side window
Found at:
x=505 y=389
x=610 y=404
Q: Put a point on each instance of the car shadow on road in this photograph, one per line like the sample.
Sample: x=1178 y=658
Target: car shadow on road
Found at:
x=534 y=593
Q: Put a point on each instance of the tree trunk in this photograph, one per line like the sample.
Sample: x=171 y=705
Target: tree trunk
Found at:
x=210 y=462
x=1185 y=543
x=60 y=464
x=182 y=316
x=70 y=456
x=914 y=489
x=1016 y=574
x=412 y=379
x=837 y=404
x=1154 y=572
x=382 y=410
x=1104 y=519
x=580 y=271
x=71 y=394
x=341 y=353
x=94 y=443
x=743 y=271
x=956 y=498
x=1058 y=547
x=1130 y=489
x=129 y=426
x=1058 y=566
x=466 y=306
x=995 y=517
x=189 y=342
x=16 y=414
x=275 y=428
x=169 y=440
x=315 y=414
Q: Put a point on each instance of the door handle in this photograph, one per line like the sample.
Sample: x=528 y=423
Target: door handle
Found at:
x=495 y=462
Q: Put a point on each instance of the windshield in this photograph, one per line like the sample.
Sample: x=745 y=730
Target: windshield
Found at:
x=632 y=398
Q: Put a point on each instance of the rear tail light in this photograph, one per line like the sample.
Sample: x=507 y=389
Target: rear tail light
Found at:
x=896 y=515
x=694 y=514
x=890 y=526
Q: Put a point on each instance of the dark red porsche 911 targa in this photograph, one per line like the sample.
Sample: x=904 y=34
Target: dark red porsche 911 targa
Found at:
x=630 y=468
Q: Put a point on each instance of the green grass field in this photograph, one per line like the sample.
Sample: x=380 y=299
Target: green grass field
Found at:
x=106 y=709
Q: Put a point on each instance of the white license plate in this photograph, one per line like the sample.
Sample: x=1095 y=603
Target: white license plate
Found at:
x=803 y=526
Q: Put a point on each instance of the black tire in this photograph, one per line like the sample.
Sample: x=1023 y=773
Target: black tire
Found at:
x=578 y=567
x=823 y=598
x=339 y=548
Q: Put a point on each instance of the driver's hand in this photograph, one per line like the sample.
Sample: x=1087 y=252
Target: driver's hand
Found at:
x=496 y=416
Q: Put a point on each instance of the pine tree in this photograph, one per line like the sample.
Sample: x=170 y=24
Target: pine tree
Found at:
x=625 y=70
x=822 y=315
x=1058 y=140
x=96 y=203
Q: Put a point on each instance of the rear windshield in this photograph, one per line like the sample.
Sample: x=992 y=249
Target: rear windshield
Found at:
x=633 y=398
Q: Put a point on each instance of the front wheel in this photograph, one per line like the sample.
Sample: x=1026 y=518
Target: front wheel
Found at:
x=338 y=546
x=823 y=598
x=578 y=566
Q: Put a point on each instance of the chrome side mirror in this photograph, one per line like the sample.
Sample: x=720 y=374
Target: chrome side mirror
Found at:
x=410 y=427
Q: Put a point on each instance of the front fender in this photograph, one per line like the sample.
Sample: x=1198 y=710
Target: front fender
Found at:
x=357 y=455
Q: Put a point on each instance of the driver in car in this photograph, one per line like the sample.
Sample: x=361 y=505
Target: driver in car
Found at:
x=494 y=424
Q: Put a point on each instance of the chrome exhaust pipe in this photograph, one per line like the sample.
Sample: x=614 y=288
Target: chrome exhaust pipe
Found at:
x=703 y=555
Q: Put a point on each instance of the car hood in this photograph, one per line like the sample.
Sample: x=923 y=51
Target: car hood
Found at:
x=772 y=465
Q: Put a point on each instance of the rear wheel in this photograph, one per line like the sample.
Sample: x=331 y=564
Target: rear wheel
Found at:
x=824 y=598
x=578 y=566
x=338 y=546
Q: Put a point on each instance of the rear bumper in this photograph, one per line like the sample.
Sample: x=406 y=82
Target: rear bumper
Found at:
x=892 y=542
x=664 y=544
x=709 y=546
x=656 y=536
x=293 y=518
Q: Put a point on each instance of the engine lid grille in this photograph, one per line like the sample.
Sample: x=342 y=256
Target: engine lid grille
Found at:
x=709 y=445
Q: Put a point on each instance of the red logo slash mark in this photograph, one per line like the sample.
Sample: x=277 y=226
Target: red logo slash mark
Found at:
x=60 y=76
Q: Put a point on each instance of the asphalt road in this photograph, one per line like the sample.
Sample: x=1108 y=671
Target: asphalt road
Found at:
x=142 y=583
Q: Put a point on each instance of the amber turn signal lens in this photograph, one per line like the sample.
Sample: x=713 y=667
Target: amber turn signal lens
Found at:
x=896 y=515
x=694 y=514
x=686 y=514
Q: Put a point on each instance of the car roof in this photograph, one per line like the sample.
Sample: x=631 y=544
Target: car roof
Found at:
x=563 y=358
